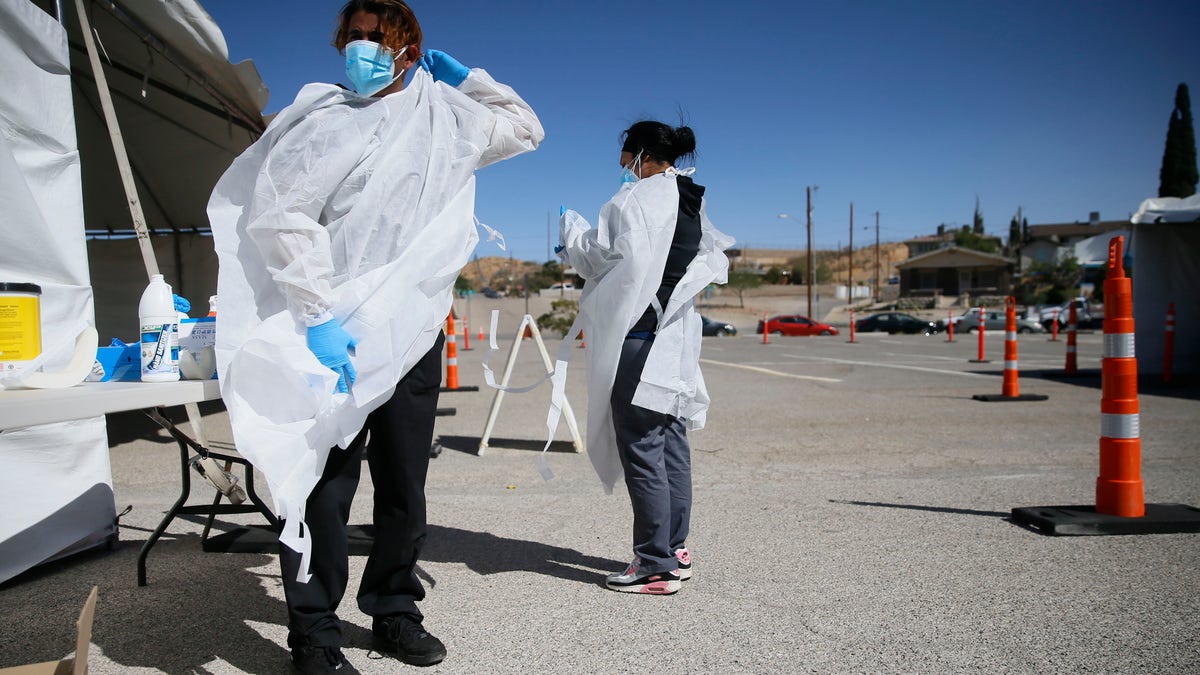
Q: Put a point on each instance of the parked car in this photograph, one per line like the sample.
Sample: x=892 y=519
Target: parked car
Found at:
x=717 y=328
x=490 y=292
x=795 y=324
x=1085 y=316
x=562 y=287
x=895 y=322
x=968 y=322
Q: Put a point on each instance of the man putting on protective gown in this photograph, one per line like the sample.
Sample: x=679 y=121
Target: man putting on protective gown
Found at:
x=651 y=253
x=340 y=234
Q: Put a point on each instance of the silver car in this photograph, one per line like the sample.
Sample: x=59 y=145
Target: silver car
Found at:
x=994 y=319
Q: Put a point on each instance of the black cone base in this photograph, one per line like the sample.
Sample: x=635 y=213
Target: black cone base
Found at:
x=1083 y=520
x=979 y=361
x=992 y=398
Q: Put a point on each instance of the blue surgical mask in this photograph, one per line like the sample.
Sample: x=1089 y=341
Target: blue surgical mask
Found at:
x=369 y=66
x=627 y=173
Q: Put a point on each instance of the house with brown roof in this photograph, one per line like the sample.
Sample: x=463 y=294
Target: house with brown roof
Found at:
x=953 y=271
x=944 y=237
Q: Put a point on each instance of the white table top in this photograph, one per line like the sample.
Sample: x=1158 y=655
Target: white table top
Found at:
x=27 y=407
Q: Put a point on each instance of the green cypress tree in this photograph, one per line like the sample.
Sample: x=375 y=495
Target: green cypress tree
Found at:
x=1178 y=175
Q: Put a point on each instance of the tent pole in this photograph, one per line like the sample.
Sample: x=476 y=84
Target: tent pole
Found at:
x=118 y=144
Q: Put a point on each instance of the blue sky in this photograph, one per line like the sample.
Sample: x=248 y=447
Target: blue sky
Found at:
x=910 y=108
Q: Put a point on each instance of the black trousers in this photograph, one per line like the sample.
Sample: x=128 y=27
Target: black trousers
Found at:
x=401 y=433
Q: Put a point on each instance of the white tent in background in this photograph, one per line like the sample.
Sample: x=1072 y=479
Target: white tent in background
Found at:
x=1166 y=269
x=184 y=113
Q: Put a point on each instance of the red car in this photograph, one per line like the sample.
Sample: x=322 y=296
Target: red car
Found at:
x=795 y=324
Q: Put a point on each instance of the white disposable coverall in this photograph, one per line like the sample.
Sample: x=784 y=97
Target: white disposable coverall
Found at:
x=357 y=209
x=623 y=260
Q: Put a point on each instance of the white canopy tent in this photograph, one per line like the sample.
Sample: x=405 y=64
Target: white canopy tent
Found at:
x=184 y=113
x=1166 y=269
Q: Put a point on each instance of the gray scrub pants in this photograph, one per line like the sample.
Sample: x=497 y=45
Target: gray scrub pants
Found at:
x=658 y=467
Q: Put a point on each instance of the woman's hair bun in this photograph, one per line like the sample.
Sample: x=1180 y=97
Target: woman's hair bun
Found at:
x=685 y=141
x=659 y=140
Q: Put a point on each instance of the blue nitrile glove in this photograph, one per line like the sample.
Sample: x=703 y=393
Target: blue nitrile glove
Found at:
x=444 y=68
x=331 y=344
x=181 y=303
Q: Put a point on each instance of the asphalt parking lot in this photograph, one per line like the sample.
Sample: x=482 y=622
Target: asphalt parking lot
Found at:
x=851 y=515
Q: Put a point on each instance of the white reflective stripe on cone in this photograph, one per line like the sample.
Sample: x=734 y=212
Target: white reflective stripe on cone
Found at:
x=1118 y=346
x=452 y=362
x=1119 y=426
x=1010 y=365
x=1070 y=349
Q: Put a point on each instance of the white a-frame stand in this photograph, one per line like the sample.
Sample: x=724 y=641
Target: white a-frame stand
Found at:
x=527 y=322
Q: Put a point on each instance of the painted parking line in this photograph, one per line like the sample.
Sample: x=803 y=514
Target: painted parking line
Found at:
x=895 y=366
x=958 y=359
x=767 y=371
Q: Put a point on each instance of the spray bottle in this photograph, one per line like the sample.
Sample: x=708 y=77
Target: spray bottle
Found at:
x=159 y=332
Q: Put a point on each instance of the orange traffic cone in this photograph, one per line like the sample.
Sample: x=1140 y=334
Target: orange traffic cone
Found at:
x=982 y=327
x=1120 y=507
x=452 y=358
x=1011 y=388
x=1119 y=490
x=451 y=354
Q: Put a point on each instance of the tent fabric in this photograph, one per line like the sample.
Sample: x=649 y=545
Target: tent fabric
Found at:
x=56 y=489
x=185 y=112
x=1093 y=251
x=198 y=113
x=1166 y=269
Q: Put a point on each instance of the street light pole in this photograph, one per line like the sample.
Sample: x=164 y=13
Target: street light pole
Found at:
x=850 y=279
x=877 y=270
x=811 y=274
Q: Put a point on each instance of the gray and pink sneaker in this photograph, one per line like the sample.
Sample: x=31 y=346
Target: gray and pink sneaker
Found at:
x=685 y=563
x=632 y=581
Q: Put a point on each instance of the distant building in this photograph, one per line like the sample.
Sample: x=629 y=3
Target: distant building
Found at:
x=954 y=271
x=944 y=238
x=1052 y=242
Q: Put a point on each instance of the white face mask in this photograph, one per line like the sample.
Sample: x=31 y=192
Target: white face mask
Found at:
x=369 y=66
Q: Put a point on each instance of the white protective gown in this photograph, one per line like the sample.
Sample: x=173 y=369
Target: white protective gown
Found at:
x=623 y=259
x=355 y=208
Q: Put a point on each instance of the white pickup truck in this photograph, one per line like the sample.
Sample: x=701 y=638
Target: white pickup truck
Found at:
x=1085 y=315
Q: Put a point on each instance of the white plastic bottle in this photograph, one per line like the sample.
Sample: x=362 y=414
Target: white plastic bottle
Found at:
x=159 y=332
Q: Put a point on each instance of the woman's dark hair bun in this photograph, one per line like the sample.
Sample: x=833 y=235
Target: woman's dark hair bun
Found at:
x=659 y=140
x=685 y=142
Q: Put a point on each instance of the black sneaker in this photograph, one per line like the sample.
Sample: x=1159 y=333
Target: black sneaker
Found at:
x=319 y=660
x=405 y=638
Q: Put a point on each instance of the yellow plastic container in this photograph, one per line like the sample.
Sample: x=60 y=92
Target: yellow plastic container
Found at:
x=20 y=325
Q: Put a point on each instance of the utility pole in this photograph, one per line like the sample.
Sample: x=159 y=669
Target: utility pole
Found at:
x=877 y=269
x=850 y=280
x=811 y=273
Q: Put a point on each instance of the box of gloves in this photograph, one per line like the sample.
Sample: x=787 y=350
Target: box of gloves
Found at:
x=197 y=348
